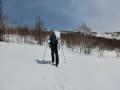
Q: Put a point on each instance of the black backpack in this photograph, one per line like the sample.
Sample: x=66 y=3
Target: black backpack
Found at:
x=53 y=39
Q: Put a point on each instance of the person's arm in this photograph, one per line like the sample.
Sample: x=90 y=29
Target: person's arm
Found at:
x=49 y=41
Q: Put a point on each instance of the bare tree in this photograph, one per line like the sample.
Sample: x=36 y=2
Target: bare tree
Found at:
x=84 y=28
x=1 y=21
x=38 y=27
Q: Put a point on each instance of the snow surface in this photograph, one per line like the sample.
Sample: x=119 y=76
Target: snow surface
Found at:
x=17 y=39
x=20 y=70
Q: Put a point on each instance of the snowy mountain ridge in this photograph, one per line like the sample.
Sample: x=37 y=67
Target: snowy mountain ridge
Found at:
x=110 y=35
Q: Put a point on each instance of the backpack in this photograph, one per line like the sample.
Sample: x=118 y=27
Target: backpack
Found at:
x=53 y=39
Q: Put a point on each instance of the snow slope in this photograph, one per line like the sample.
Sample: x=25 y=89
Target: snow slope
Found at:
x=109 y=35
x=20 y=70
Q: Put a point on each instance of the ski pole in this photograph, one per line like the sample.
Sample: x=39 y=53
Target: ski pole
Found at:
x=45 y=50
x=63 y=54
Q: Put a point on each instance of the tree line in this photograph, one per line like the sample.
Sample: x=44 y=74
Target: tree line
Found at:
x=87 y=42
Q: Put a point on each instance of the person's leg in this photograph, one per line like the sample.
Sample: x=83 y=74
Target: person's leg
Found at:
x=52 y=54
x=57 y=56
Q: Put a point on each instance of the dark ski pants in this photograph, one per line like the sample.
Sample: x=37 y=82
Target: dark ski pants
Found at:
x=54 y=53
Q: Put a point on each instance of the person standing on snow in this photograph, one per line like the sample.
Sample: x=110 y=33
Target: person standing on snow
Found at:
x=53 y=44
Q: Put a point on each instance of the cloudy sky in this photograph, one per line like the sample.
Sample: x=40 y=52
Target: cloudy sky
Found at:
x=99 y=15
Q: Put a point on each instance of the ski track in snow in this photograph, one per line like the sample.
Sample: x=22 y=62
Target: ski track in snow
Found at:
x=18 y=71
x=60 y=77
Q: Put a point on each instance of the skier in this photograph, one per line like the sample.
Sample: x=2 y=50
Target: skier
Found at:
x=53 y=44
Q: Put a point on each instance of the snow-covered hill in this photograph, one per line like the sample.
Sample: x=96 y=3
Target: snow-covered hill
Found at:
x=111 y=35
x=21 y=68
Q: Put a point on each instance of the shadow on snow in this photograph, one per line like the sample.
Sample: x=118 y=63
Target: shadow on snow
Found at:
x=43 y=61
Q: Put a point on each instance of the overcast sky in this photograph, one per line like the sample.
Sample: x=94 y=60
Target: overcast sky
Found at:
x=99 y=15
